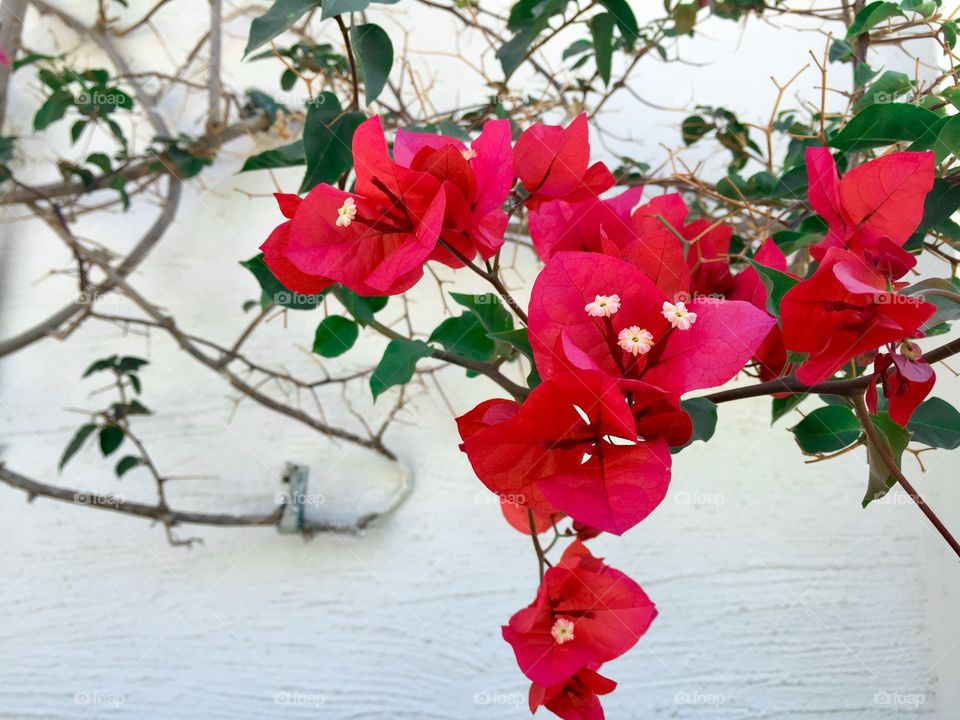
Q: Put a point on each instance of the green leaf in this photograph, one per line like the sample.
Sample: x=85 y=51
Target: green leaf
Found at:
x=871 y=16
x=494 y=316
x=466 y=336
x=626 y=20
x=281 y=15
x=111 y=438
x=335 y=335
x=781 y=406
x=695 y=127
x=684 y=18
x=578 y=47
x=76 y=130
x=129 y=363
x=703 y=413
x=126 y=464
x=100 y=365
x=529 y=18
x=361 y=308
x=896 y=439
x=327 y=136
x=285 y=156
x=520 y=339
x=79 y=438
x=339 y=7
x=882 y=125
x=398 y=364
x=885 y=90
x=947 y=309
x=936 y=423
x=374 y=53
x=601 y=29
x=827 y=429
x=52 y=109
x=273 y=293
x=777 y=284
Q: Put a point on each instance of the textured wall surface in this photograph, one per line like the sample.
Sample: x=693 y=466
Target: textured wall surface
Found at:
x=779 y=597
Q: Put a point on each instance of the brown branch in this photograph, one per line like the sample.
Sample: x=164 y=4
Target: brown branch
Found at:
x=883 y=450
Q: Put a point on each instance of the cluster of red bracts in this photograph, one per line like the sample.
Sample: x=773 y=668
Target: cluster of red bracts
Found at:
x=635 y=307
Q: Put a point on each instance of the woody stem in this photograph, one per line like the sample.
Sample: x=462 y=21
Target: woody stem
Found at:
x=541 y=557
x=883 y=450
x=491 y=277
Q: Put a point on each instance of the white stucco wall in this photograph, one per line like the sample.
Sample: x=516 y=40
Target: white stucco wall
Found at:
x=779 y=597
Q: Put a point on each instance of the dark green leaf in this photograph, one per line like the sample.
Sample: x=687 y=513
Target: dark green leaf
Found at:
x=361 y=308
x=327 y=136
x=703 y=413
x=335 y=335
x=882 y=125
x=777 y=284
x=128 y=363
x=126 y=464
x=896 y=439
x=52 y=109
x=339 y=7
x=695 y=127
x=885 y=90
x=601 y=29
x=79 y=438
x=466 y=336
x=936 y=423
x=781 y=406
x=285 y=156
x=281 y=15
x=626 y=20
x=494 y=316
x=871 y=16
x=827 y=429
x=398 y=364
x=374 y=53
x=111 y=438
x=100 y=365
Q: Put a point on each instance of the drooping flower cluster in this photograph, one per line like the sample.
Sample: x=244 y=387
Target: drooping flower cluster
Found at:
x=851 y=306
x=435 y=199
x=636 y=306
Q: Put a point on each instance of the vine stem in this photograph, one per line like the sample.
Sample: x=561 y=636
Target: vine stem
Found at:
x=883 y=449
x=541 y=556
x=355 y=102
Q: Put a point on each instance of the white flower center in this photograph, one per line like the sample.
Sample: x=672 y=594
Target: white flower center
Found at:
x=346 y=213
x=678 y=315
x=635 y=340
x=562 y=630
x=603 y=306
x=468 y=154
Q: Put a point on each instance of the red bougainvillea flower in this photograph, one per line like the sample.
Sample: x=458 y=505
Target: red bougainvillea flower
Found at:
x=552 y=161
x=593 y=225
x=477 y=181
x=575 y=698
x=906 y=379
x=874 y=208
x=274 y=253
x=845 y=309
x=771 y=356
x=375 y=240
x=675 y=347
x=572 y=448
x=585 y=614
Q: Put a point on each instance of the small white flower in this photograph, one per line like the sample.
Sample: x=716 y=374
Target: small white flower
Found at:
x=562 y=630
x=603 y=306
x=678 y=315
x=346 y=213
x=635 y=340
x=468 y=154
